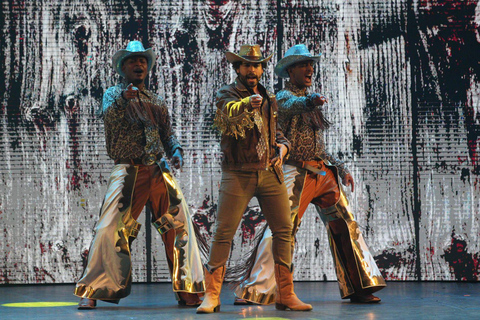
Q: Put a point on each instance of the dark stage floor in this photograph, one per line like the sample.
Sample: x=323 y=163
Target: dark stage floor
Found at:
x=400 y=300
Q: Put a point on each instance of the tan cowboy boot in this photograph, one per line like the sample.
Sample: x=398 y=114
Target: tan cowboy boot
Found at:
x=213 y=286
x=286 y=298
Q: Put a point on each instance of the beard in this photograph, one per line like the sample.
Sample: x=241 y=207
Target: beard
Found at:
x=246 y=80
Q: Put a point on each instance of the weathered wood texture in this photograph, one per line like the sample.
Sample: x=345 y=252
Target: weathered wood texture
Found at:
x=402 y=79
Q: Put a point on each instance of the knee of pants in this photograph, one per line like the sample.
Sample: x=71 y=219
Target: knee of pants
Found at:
x=283 y=234
x=223 y=236
x=285 y=228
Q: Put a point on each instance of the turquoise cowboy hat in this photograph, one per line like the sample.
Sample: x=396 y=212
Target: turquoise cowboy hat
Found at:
x=134 y=48
x=295 y=54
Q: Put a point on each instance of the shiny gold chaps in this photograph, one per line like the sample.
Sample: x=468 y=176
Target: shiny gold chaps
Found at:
x=108 y=274
x=354 y=265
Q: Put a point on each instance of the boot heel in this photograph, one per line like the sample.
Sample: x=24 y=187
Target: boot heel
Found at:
x=216 y=309
x=280 y=306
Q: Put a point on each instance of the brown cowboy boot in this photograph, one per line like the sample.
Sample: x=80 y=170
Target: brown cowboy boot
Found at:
x=213 y=286
x=188 y=300
x=87 y=304
x=364 y=298
x=286 y=298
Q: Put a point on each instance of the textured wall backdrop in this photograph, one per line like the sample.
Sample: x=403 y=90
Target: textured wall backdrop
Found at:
x=402 y=77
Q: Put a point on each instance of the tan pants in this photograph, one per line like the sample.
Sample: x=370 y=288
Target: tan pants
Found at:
x=236 y=190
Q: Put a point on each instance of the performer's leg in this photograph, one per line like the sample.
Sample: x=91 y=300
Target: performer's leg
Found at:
x=112 y=281
x=185 y=298
x=307 y=194
x=141 y=192
x=273 y=199
x=157 y=194
x=332 y=211
x=259 y=286
x=354 y=262
x=236 y=190
x=340 y=235
x=159 y=205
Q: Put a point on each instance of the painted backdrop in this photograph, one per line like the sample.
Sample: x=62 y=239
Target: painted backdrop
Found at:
x=402 y=78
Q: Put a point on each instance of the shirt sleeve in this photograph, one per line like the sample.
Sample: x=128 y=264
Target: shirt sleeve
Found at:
x=114 y=114
x=168 y=137
x=290 y=105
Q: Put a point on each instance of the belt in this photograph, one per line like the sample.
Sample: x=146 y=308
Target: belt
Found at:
x=303 y=165
x=148 y=159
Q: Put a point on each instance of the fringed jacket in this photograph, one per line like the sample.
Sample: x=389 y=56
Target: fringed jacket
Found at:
x=249 y=136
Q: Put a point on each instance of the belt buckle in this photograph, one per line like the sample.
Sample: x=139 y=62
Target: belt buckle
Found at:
x=164 y=225
x=149 y=159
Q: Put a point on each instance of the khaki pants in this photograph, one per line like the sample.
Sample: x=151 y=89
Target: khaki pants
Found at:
x=236 y=190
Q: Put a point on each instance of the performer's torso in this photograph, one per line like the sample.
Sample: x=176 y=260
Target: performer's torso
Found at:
x=306 y=143
x=126 y=139
x=255 y=150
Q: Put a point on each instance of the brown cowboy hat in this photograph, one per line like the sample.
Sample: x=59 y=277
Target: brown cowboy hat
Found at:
x=247 y=53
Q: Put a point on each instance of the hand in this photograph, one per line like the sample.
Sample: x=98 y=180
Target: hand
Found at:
x=256 y=101
x=282 y=152
x=348 y=181
x=318 y=99
x=177 y=159
x=130 y=92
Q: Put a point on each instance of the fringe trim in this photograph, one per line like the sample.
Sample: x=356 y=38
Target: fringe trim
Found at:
x=234 y=126
x=316 y=119
x=237 y=274
x=202 y=242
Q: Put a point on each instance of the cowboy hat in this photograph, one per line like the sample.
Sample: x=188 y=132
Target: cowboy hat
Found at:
x=134 y=48
x=295 y=54
x=247 y=53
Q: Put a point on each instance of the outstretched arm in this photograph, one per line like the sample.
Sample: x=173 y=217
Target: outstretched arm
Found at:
x=235 y=114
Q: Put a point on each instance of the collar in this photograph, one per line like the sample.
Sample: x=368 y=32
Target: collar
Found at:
x=295 y=90
x=241 y=87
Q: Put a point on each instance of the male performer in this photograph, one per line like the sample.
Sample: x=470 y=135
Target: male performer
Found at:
x=247 y=118
x=138 y=132
x=311 y=176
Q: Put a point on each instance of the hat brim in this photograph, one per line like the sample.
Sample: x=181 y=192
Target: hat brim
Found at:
x=284 y=63
x=233 y=57
x=123 y=54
